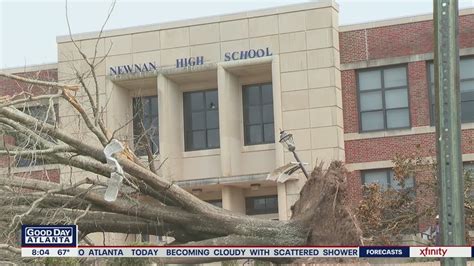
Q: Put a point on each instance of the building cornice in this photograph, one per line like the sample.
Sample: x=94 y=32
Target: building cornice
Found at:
x=203 y=20
x=397 y=21
x=30 y=68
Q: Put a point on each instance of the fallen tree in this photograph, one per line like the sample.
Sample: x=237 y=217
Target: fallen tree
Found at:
x=148 y=203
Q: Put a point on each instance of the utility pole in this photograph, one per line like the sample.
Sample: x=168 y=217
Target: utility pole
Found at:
x=448 y=126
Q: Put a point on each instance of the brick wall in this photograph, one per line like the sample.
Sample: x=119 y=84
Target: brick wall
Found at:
x=397 y=40
x=10 y=88
x=384 y=43
x=381 y=149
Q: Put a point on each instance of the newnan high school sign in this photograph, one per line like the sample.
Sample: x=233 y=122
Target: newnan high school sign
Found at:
x=187 y=62
x=131 y=69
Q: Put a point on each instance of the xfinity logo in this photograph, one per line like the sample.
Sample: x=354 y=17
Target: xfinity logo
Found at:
x=433 y=252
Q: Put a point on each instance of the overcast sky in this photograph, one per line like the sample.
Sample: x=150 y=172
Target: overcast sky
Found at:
x=28 y=29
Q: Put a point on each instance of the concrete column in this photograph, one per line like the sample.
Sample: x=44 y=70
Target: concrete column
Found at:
x=282 y=202
x=233 y=199
x=230 y=120
x=277 y=110
x=292 y=189
x=171 y=127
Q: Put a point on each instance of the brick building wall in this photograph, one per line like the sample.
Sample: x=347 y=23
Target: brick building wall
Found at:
x=411 y=44
x=10 y=88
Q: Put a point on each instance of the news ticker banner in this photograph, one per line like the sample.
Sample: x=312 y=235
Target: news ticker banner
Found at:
x=249 y=252
x=61 y=241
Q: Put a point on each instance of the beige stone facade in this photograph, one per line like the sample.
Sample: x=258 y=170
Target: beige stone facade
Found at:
x=295 y=48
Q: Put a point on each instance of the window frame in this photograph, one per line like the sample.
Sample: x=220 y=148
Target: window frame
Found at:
x=432 y=100
x=253 y=211
x=383 y=90
x=214 y=201
x=388 y=176
x=157 y=151
x=187 y=109
x=38 y=161
x=245 y=123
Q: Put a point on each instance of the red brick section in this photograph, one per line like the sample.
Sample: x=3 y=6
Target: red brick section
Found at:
x=381 y=149
x=397 y=40
x=12 y=87
x=349 y=101
x=419 y=94
x=354 y=188
x=52 y=175
x=9 y=87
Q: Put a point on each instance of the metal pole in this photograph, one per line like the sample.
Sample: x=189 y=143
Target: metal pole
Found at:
x=448 y=126
x=301 y=164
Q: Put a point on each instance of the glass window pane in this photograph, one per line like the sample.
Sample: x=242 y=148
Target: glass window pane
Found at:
x=213 y=138
x=196 y=100
x=409 y=182
x=369 y=80
x=370 y=100
x=269 y=133
x=377 y=177
x=267 y=94
x=372 y=121
x=467 y=85
x=153 y=103
x=154 y=123
x=271 y=203
x=395 y=77
x=254 y=115
x=255 y=134
x=145 y=121
x=212 y=119
x=466 y=67
x=212 y=101
x=252 y=95
x=268 y=113
x=396 y=98
x=198 y=140
x=397 y=118
x=197 y=121
x=467 y=111
x=468 y=168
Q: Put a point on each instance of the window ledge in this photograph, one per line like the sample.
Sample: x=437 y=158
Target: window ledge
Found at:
x=399 y=132
x=34 y=168
x=201 y=153
x=144 y=158
x=267 y=216
x=259 y=147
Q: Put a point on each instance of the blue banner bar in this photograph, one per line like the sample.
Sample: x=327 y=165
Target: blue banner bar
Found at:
x=384 y=252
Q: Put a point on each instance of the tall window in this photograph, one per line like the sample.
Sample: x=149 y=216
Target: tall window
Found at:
x=261 y=205
x=145 y=125
x=44 y=114
x=201 y=120
x=466 y=76
x=385 y=179
x=383 y=98
x=258 y=114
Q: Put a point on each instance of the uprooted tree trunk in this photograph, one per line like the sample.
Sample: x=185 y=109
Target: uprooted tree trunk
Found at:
x=148 y=203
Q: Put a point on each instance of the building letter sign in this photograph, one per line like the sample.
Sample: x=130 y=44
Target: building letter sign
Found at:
x=131 y=69
x=191 y=61
x=252 y=53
